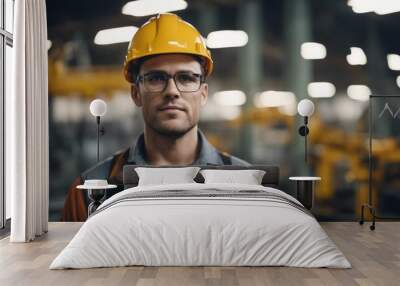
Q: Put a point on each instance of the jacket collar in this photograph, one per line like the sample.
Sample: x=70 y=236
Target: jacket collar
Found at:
x=208 y=155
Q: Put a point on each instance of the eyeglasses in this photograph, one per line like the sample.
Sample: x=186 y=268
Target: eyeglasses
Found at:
x=157 y=81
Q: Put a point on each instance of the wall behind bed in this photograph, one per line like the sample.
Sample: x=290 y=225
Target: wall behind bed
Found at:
x=80 y=70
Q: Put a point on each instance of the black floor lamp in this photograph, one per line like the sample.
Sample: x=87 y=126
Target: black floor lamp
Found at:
x=370 y=204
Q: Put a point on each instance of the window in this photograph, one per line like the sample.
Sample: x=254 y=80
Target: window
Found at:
x=6 y=43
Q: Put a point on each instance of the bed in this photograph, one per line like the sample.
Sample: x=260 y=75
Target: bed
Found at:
x=201 y=224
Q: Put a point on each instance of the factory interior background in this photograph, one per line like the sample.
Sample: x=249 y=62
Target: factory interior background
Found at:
x=330 y=52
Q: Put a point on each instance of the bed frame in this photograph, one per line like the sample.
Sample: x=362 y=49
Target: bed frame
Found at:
x=270 y=179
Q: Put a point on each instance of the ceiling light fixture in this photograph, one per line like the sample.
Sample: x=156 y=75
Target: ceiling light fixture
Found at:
x=321 y=89
x=230 y=97
x=115 y=35
x=359 y=92
x=356 y=57
x=313 y=51
x=142 y=8
x=227 y=39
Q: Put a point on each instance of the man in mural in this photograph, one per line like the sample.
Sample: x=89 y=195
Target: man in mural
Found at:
x=167 y=64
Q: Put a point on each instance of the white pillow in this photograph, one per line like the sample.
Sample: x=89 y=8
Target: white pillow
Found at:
x=249 y=177
x=162 y=176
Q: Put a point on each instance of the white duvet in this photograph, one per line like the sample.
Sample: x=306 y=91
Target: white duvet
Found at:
x=185 y=230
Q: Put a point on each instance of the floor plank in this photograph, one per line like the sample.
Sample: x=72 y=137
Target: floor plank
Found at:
x=374 y=255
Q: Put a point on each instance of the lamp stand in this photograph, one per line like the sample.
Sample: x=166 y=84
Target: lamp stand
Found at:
x=96 y=197
x=303 y=131
x=98 y=138
x=369 y=205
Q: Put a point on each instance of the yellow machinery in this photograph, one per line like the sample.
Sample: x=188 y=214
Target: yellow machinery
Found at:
x=88 y=83
x=336 y=146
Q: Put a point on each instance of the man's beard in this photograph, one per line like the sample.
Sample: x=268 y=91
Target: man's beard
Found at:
x=174 y=133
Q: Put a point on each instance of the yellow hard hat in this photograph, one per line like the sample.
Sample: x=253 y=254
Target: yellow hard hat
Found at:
x=166 y=34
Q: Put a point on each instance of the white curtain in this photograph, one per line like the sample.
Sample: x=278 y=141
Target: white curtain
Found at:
x=27 y=144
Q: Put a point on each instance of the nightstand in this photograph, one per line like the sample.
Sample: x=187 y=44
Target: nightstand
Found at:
x=96 y=192
x=305 y=190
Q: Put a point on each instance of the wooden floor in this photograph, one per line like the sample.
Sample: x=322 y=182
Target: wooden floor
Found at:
x=374 y=255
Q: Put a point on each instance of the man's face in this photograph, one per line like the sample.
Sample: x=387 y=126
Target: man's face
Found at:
x=170 y=112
